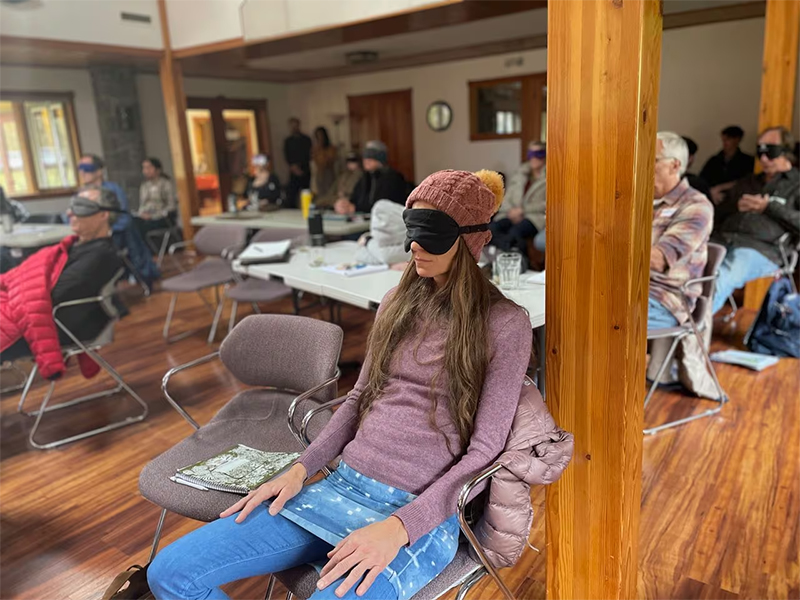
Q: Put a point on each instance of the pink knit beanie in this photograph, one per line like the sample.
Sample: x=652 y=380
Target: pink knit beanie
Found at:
x=468 y=198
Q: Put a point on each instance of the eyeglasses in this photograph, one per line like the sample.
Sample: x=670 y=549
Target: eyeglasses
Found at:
x=660 y=158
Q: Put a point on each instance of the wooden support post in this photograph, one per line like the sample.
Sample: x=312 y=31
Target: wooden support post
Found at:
x=778 y=80
x=603 y=71
x=175 y=108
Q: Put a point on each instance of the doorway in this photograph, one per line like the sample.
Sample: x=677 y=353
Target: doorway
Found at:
x=386 y=117
x=224 y=135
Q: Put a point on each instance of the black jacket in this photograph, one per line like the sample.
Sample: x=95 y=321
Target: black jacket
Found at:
x=297 y=151
x=90 y=266
x=717 y=170
x=270 y=191
x=761 y=231
x=383 y=184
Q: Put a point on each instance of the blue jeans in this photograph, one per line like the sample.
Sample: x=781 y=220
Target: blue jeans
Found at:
x=659 y=317
x=740 y=266
x=194 y=566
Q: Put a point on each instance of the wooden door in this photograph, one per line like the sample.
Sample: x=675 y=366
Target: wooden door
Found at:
x=228 y=133
x=386 y=117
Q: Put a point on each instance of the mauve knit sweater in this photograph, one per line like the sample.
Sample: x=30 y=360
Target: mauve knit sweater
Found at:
x=397 y=445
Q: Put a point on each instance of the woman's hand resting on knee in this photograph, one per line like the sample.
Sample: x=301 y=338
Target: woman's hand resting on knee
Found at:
x=282 y=488
x=366 y=551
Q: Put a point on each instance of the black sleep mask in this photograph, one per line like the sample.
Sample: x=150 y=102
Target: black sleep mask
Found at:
x=84 y=207
x=772 y=151
x=434 y=230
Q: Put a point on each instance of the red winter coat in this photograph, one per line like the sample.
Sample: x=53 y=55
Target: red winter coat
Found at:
x=26 y=309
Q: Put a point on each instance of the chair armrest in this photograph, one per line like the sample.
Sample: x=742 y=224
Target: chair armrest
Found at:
x=466 y=528
x=173 y=371
x=177 y=245
x=79 y=302
x=298 y=434
x=230 y=252
x=309 y=416
x=690 y=282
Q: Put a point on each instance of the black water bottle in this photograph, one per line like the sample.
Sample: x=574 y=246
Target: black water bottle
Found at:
x=315 y=231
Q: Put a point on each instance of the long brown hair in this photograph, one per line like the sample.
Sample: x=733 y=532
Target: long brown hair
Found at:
x=463 y=304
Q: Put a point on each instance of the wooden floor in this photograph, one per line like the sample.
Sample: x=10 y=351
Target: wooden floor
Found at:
x=720 y=497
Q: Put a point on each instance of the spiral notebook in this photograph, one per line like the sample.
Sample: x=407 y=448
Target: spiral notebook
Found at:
x=238 y=470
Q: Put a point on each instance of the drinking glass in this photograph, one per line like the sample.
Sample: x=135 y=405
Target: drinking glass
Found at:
x=509 y=265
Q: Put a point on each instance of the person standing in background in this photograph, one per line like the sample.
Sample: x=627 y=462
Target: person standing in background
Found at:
x=724 y=169
x=297 y=151
x=324 y=158
x=156 y=198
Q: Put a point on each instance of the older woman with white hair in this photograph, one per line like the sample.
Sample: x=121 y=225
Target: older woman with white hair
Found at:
x=264 y=186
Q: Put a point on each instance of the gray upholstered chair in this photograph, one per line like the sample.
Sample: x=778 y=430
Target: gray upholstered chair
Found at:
x=219 y=244
x=292 y=363
x=254 y=290
x=89 y=347
x=695 y=326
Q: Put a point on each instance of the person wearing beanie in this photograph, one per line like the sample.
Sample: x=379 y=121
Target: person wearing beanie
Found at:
x=345 y=183
x=379 y=182
x=432 y=408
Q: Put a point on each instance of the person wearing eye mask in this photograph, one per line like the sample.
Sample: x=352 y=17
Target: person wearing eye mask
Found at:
x=442 y=379
x=756 y=215
x=522 y=214
x=77 y=267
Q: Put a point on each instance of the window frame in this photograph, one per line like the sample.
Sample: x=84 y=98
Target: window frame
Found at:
x=68 y=100
x=530 y=113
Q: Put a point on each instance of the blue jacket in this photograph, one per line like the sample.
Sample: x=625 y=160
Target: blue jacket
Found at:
x=124 y=219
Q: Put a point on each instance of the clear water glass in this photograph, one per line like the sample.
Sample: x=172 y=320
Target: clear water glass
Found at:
x=509 y=265
x=316 y=256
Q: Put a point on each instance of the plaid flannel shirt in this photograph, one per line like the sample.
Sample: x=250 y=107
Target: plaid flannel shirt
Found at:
x=682 y=222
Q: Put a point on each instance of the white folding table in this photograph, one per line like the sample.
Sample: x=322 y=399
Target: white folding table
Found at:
x=34 y=235
x=285 y=218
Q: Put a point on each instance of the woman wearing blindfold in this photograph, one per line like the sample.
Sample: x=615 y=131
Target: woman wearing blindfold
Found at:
x=432 y=407
x=522 y=214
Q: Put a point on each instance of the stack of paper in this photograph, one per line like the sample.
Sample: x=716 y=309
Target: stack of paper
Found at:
x=751 y=360
x=265 y=252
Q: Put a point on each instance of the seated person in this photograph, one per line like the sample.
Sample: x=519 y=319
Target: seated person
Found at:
x=722 y=170
x=156 y=198
x=344 y=185
x=385 y=242
x=522 y=214
x=385 y=426
x=695 y=181
x=77 y=267
x=91 y=170
x=682 y=219
x=757 y=213
x=379 y=182
x=264 y=185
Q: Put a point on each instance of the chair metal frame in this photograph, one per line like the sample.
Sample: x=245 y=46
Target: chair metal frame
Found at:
x=165 y=232
x=481 y=570
x=690 y=328
x=290 y=417
x=215 y=311
x=90 y=348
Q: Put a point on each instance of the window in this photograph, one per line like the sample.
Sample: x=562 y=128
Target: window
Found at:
x=509 y=108
x=38 y=144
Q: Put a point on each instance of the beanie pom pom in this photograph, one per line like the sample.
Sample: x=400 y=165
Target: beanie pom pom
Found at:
x=494 y=181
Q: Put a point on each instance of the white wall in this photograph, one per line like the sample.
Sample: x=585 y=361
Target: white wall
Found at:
x=197 y=22
x=154 y=123
x=91 y=21
x=710 y=78
x=78 y=82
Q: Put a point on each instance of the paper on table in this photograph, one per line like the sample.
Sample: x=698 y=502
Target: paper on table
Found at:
x=265 y=252
x=354 y=270
x=536 y=278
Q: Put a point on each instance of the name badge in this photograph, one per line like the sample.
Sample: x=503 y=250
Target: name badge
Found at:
x=668 y=212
